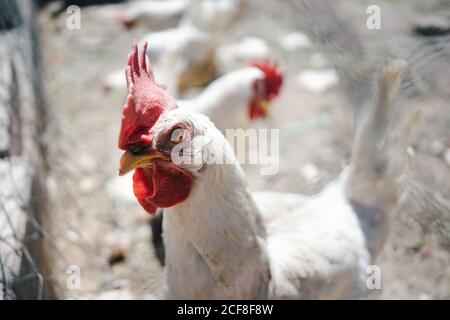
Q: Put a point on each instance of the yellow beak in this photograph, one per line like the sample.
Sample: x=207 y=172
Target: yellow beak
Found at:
x=129 y=161
x=265 y=105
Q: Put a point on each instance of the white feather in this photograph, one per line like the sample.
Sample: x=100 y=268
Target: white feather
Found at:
x=226 y=100
x=154 y=13
x=269 y=245
x=224 y=242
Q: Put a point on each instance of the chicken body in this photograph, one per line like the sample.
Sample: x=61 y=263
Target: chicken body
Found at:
x=223 y=241
x=153 y=13
x=239 y=245
x=188 y=50
x=269 y=245
x=330 y=255
x=184 y=55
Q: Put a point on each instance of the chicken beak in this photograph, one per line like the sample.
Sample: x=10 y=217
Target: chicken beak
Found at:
x=129 y=161
x=265 y=105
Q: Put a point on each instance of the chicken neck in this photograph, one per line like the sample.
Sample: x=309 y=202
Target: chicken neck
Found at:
x=215 y=240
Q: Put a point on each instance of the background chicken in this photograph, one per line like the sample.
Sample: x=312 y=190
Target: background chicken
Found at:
x=238 y=97
x=153 y=14
x=185 y=55
x=318 y=247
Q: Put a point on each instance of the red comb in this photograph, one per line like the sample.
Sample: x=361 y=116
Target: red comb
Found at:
x=145 y=102
x=273 y=78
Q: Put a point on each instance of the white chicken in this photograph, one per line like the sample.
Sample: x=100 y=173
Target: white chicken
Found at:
x=185 y=55
x=236 y=244
x=235 y=99
x=153 y=13
x=193 y=43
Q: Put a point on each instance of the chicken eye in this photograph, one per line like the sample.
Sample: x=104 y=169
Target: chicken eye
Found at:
x=177 y=135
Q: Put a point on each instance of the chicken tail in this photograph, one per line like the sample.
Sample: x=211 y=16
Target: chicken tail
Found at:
x=372 y=129
x=375 y=179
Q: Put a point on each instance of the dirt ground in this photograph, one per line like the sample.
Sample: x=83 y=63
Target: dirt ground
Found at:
x=90 y=226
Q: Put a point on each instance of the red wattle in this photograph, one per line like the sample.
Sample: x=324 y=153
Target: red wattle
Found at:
x=143 y=189
x=162 y=186
x=273 y=78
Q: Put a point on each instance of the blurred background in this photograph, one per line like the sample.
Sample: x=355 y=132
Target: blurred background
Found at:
x=64 y=211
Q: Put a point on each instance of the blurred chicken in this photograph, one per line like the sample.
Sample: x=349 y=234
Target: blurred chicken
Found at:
x=153 y=13
x=224 y=242
x=194 y=42
x=235 y=99
x=184 y=56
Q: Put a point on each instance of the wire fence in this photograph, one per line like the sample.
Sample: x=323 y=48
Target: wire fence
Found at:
x=22 y=161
